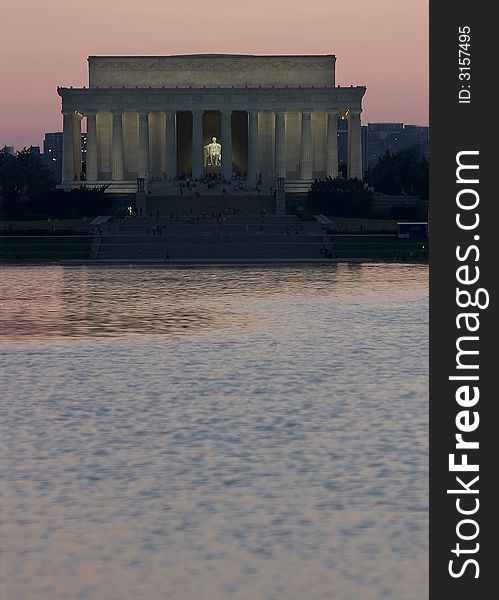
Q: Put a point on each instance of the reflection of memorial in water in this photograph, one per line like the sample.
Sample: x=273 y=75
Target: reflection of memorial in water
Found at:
x=117 y=303
x=103 y=302
x=26 y=311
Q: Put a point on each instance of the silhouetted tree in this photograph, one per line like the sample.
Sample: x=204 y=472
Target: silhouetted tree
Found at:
x=340 y=198
x=23 y=174
x=80 y=202
x=405 y=172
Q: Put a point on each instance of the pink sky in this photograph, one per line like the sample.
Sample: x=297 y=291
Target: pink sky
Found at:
x=382 y=44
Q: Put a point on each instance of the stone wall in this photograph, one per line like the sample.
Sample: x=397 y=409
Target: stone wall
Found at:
x=211 y=71
x=384 y=202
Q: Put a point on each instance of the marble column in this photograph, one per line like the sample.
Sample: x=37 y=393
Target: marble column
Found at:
x=117 y=147
x=227 y=144
x=354 y=167
x=252 y=145
x=280 y=144
x=68 y=163
x=92 y=169
x=197 y=144
x=306 y=155
x=332 y=144
x=144 y=144
x=77 y=145
x=171 y=144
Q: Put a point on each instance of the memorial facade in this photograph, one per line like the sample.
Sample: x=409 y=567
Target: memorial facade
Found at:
x=157 y=118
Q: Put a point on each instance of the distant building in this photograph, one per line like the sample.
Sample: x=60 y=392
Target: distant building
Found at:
x=52 y=153
x=417 y=135
x=8 y=150
x=380 y=138
x=342 y=146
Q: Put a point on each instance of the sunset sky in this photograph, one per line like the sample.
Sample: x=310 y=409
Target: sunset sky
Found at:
x=382 y=44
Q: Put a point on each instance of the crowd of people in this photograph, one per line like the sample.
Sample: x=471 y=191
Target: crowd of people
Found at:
x=215 y=182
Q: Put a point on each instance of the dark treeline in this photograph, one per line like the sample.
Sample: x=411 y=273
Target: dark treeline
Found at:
x=405 y=173
x=22 y=175
x=340 y=198
x=28 y=191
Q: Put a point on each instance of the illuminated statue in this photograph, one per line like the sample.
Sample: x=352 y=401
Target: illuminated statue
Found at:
x=212 y=153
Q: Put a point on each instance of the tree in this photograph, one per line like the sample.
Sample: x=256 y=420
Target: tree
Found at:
x=7 y=174
x=406 y=173
x=340 y=198
x=80 y=202
x=23 y=174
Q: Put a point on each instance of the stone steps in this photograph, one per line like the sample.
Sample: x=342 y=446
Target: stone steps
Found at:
x=186 y=218
x=183 y=204
x=201 y=251
x=237 y=237
x=211 y=238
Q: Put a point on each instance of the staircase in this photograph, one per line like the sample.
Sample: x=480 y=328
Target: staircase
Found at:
x=208 y=204
x=198 y=239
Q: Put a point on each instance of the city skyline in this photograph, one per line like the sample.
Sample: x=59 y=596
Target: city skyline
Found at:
x=61 y=36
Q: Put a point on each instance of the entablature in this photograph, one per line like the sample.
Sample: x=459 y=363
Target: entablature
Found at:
x=329 y=98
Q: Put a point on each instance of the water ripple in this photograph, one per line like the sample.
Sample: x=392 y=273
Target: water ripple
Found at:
x=249 y=433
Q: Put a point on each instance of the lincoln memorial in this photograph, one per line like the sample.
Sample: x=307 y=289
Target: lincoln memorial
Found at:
x=270 y=118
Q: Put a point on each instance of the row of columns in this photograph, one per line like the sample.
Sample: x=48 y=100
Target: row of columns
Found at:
x=72 y=136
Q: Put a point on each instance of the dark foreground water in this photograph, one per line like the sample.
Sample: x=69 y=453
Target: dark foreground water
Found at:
x=214 y=434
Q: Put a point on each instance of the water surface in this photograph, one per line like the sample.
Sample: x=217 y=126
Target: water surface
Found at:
x=214 y=434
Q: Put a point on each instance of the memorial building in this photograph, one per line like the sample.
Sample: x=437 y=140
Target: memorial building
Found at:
x=158 y=118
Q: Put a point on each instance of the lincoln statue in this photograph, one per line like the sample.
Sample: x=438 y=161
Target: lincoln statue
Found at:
x=213 y=154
